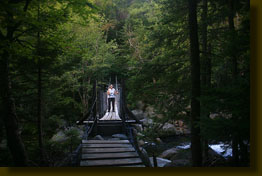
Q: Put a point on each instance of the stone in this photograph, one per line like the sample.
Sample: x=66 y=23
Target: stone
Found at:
x=120 y=136
x=188 y=107
x=168 y=127
x=186 y=131
x=214 y=159
x=62 y=123
x=140 y=134
x=159 y=141
x=213 y=115
x=213 y=154
x=81 y=127
x=147 y=121
x=63 y=135
x=139 y=114
x=59 y=137
x=3 y=144
x=161 y=162
x=141 y=142
x=179 y=131
x=76 y=129
x=216 y=115
x=138 y=127
x=182 y=113
x=160 y=116
x=180 y=123
x=167 y=154
x=178 y=163
x=140 y=105
x=98 y=137
x=150 y=111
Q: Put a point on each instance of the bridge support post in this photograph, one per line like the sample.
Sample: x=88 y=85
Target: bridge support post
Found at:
x=95 y=106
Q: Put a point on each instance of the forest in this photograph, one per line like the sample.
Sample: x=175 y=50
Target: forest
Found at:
x=185 y=65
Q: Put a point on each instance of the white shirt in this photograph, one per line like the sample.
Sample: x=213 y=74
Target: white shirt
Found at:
x=111 y=93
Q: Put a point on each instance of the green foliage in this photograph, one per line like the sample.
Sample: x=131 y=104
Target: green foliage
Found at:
x=145 y=42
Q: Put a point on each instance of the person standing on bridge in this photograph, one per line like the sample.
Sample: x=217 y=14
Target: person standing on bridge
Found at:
x=111 y=93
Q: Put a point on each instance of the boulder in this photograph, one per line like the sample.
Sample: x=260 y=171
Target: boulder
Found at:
x=78 y=130
x=214 y=159
x=161 y=162
x=59 y=137
x=139 y=114
x=213 y=115
x=120 y=136
x=160 y=116
x=141 y=142
x=63 y=135
x=178 y=163
x=98 y=137
x=140 y=134
x=138 y=127
x=213 y=154
x=180 y=123
x=62 y=123
x=184 y=146
x=150 y=111
x=167 y=154
x=186 y=131
x=81 y=127
x=188 y=107
x=168 y=127
x=147 y=121
x=159 y=141
x=179 y=131
x=3 y=144
x=140 y=105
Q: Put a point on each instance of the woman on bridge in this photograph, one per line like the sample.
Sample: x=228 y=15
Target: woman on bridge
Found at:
x=111 y=92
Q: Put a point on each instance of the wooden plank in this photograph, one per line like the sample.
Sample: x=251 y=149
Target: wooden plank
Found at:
x=106 y=150
x=134 y=166
x=105 y=142
x=111 y=162
x=106 y=145
x=111 y=122
x=109 y=155
x=111 y=115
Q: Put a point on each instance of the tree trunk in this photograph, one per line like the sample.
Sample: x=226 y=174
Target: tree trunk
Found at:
x=235 y=138
x=14 y=141
x=204 y=44
x=232 y=33
x=205 y=66
x=244 y=153
x=39 y=112
x=39 y=95
x=196 y=148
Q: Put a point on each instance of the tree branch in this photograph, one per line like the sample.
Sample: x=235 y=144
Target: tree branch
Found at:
x=24 y=41
x=26 y=5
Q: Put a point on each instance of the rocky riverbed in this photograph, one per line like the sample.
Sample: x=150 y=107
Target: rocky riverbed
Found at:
x=172 y=141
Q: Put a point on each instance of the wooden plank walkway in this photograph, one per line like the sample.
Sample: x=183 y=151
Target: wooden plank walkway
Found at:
x=105 y=142
x=109 y=153
x=112 y=115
